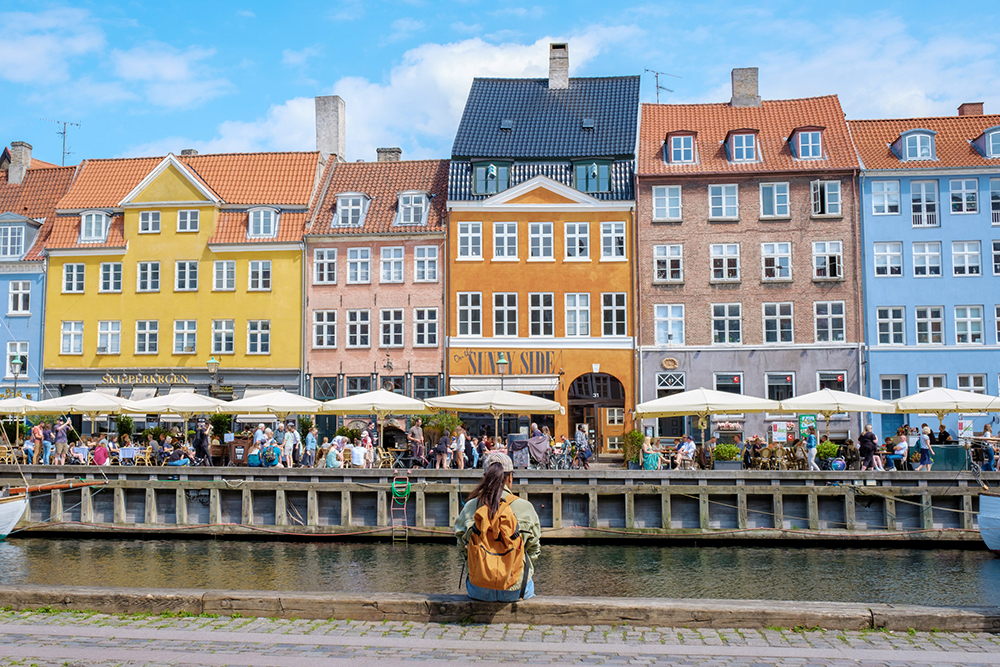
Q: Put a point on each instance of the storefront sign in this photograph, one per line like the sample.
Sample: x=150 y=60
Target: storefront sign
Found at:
x=8 y=392
x=144 y=378
x=805 y=421
x=521 y=362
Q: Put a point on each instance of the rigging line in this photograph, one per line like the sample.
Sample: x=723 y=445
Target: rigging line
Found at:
x=52 y=517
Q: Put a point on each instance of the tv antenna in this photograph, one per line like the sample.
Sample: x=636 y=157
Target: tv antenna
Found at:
x=62 y=132
x=657 y=75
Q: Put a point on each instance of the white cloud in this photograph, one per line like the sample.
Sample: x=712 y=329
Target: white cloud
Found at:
x=299 y=58
x=535 y=12
x=39 y=48
x=246 y=13
x=465 y=28
x=347 y=10
x=403 y=29
x=171 y=78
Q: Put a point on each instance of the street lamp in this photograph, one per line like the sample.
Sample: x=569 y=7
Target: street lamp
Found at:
x=213 y=370
x=16 y=365
x=502 y=369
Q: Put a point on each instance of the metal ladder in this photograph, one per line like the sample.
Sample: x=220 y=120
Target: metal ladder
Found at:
x=400 y=495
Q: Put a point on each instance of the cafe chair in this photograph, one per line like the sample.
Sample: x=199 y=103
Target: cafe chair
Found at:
x=6 y=454
x=765 y=459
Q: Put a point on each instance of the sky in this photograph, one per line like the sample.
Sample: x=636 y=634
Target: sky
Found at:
x=151 y=77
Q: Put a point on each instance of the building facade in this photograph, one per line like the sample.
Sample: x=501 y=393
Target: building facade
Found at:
x=930 y=215
x=541 y=246
x=748 y=257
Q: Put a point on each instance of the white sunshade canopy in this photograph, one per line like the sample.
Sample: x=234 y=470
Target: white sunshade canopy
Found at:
x=496 y=402
x=703 y=402
x=89 y=403
x=831 y=402
x=183 y=404
x=940 y=401
x=16 y=406
x=379 y=402
x=279 y=403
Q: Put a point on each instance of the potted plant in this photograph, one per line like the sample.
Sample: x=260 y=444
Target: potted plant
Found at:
x=827 y=450
x=632 y=449
x=727 y=457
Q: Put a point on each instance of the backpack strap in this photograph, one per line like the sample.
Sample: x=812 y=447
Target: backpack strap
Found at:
x=517 y=534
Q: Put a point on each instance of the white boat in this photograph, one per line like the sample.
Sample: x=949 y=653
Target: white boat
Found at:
x=11 y=510
x=989 y=520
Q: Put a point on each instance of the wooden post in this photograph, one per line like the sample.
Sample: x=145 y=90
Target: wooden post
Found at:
x=967 y=511
x=665 y=509
x=452 y=507
x=741 y=509
x=813 y=505
x=557 y=509
x=119 y=513
x=86 y=505
x=182 y=507
x=246 y=507
x=593 y=507
x=778 y=508
x=56 y=505
x=150 y=505
x=280 y=508
x=214 y=506
x=890 y=513
x=312 y=508
x=703 y=510
x=382 y=513
x=345 y=508
x=419 y=509
x=629 y=508
x=849 y=508
x=926 y=513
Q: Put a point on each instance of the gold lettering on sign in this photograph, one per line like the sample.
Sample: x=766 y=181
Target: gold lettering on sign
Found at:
x=143 y=378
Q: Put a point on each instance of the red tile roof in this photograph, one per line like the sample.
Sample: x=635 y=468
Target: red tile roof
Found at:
x=35 y=197
x=774 y=119
x=65 y=233
x=382 y=182
x=231 y=227
x=872 y=139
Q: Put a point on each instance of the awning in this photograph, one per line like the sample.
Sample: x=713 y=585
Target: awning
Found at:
x=108 y=391
x=250 y=392
x=140 y=393
x=176 y=390
x=512 y=383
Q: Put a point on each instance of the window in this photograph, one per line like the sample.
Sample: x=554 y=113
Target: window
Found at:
x=391 y=321
x=20 y=297
x=731 y=383
x=615 y=416
x=425 y=386
x=72 y=338
x=186 y=277
x=358 y=265
x=777 y=260
x=505 y=313
x=996 y=258
x=885 y=197
x=350 y=211
x=810 y=145
x=930 y=325
x=491 y=178
x=924 y=203
x=147 y=336
x=259 y=337
x=919 y=147
x=73 y=277
x=778 y=323
x=260 y=275
x=392 y=265
x=612 y=241
x=470 y=240
x=890 y=323
x=614 y=316
x=358 y=385
x=225 y=275
x=187 y=221
x=358 y=328
x=412 y=209
x=109 y=337
x=149 y=222
x=325 y=266
x=668 y=384
x=927 y=259
x=185 y=336
x=93 y=227
x=425 y=264
x=425 y=327
x=744 y=148
x=828 y=260
x=668 y=264
x=470 y=314
x=669 y=322
x=682 y=148
x=892 y=387
x=998 y=321
x=504 y=240
x=324 y=328
x=541 y=311
x=725 y=262
x=994 y=143
x=148 y=277
x=829 y=321
x=969 y=325
x=540 y=240
x=16 y=348
x=780 y=386
x=593 y=177
x=965 y=258
x=577 y=314
x=832 y=380
x=727 y=323
x=722 y=202
x=974 y=382
x=825 y=197
x=578 y=240
x=11 y=240
x=774 y=200
x=111 y=277
x=667 y=202
x=964 y=195
x=926 y=382
x=223 y=336
x=889 y=259
x=995 y=192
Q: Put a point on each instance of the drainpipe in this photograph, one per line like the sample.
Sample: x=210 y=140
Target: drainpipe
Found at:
x=303 y=324
x=446 y=307
x=634 y=278
x=863 y=378
x=41 y=354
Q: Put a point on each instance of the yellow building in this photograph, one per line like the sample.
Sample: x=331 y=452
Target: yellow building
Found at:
x=157 y=264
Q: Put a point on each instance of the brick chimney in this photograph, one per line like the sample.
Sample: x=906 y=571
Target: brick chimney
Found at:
x=20 y=160
x=558 y=66
x=331 y=127
x=389 y=154
x=189 y=151
x=745 y=93
x=971 y=109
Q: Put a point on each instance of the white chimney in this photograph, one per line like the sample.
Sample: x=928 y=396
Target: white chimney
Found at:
x=331 y=127
x=558 y=66
x=745 y=93
x=20 y=160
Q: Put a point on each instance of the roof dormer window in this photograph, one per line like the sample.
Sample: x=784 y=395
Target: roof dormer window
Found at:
x=491 y=178
x=810 y=145
x=681 y=148
x=412 y=209
x=11 y=241
x=743 y=147
x=919 y=147
x=93 y=227
x=994 y=143
x=593 y=176
x=263 y=223
x=351 y=210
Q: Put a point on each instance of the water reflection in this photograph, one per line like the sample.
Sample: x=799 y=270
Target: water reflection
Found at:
x=897 y=576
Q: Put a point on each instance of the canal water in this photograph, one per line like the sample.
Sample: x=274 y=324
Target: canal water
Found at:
x=896 y=576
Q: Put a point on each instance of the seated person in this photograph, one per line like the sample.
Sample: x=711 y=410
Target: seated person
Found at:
x=943 y=437
x=685 y=452
x=253 y=456
x=334 y=458
x=101 y=455
x=358 y=455
x=900 y=451
x=180 y=457
x=79 y=451
x=650 y=458
x=271 y=455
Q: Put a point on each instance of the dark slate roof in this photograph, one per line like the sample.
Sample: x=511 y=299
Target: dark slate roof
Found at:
x=460 y=178
x=549 y=123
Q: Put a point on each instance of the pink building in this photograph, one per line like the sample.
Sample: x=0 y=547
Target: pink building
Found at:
x=375 y=249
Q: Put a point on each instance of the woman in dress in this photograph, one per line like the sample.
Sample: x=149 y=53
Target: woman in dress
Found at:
x=650 y=458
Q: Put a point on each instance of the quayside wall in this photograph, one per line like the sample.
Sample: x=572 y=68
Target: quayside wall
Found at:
x=606 y=505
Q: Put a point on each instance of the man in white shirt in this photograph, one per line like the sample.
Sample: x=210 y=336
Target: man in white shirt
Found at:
x=685 y=452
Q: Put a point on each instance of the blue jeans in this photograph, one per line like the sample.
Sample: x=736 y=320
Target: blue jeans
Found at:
x=490 y=595
x=181 y=462
x=890 y=460
x=475 y=458
x=46 y=451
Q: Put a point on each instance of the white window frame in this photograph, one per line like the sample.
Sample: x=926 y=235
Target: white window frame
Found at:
x=962 y=255
x=223 y=336
x=888 y=259
x=185 y=331
x=743 y=147
x=787 y=374
x=352 y=208
x=186 y=276
x=925 y=319
x=926 y=257
x=109 y=332
x=931 y=381
x=541 y=244
x=94 y=226
x=262 y=223
x=74 y=278
x=828 y=259
x=413 y=207
x=541 y=315
x=996 y=259
x=150 y=272
x=890 y=322
x=110 y=277
x=17 y=348
x=11 y=241
x=993 y=144
x=577 y=237
x=618 y=310
x=972 y=382
x=188 y=220
x=577 y=314
x=147 y=336
x=917 y=148
x=71 y=337
x=324 y=330
x=885 y=197
x=324 y=266
x=425 y=264
x=259 y=276
x=667 y=259
x=667 y=203
x=359 y=328
x=776 y=196
x=780 y=254
x=724 y=259
x=778 y=317
x=925 y=204
x=826 y=199
x=724 y=202
x=467 y=305
x=682 y=149
x=969 y=325
x=505 y=311
x=965 y=204
x=738 y=376
x=391 y=326
x=995 y=196
x=613 y=242
x=224 y=275
x=668 y=320
x=259 y=337
x=505 y=242
x=19 y=297
x=470 y=242
x=730 y=316
x=425 y=327
x=149 y=222
x=392 y=263
x=811 y=142
x=359 y=266
x=829 y=318
x=900 y=389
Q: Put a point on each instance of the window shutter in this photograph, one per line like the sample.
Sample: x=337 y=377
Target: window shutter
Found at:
x=817 y=198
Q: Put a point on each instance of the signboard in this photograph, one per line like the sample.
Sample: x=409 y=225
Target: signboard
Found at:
x=782 y=431
x=143 y=378
x=964 y=429
x=805 y=421
x=520 y=362
x=9 y=392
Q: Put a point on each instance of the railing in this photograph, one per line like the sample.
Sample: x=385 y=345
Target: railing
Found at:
x=996 y=216
x=928 y=219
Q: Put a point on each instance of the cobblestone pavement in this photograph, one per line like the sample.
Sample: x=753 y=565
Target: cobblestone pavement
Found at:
x=86 y=639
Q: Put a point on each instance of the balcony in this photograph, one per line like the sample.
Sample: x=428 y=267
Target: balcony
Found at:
x=996 y=216
x=929 y=219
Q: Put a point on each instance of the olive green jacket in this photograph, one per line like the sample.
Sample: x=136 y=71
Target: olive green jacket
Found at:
x=527 y=520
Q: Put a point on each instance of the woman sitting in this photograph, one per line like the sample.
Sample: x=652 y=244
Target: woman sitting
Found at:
x=334 y=459
x=253 y=456
x=101 y=455
x=650 y=458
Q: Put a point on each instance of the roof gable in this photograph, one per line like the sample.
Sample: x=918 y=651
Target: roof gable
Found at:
x=170 y=181
x=540 y=190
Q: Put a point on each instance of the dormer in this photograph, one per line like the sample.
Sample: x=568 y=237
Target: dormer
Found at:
x=412 y=208
x=681 y=147
x=489 y=178
x=988 y=143
x=17 y=233
x=94 y=226
x=742 y=145
x=352 y=207
x=592 y=175
x=262 y=222
x=806 y=143
x=915 y=145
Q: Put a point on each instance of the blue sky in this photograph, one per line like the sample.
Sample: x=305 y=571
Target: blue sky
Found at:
x=145 y=77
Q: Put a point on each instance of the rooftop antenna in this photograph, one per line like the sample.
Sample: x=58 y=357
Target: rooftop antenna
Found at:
x=657 y=75
x=62 y=132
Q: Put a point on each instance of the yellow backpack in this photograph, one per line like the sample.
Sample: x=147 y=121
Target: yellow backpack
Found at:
x=497 y=557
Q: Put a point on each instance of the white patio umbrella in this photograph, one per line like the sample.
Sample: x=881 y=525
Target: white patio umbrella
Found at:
x=703 y=402
x=184 y=405
x=829 y=402
x=380 y=403
x=16 y=406
x=497 y=402
x=91 y=404
x=278 y=403
x=940 y=402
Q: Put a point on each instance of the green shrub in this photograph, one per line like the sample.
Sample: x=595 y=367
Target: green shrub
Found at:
x=124 y=425
x=221 y=424
x=351 y=434
x=727 y=452
x=442 y=421
x=632 y=446
x=827 y=450
x=305 y=423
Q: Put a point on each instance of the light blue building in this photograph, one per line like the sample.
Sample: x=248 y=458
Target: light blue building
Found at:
x=930 y=227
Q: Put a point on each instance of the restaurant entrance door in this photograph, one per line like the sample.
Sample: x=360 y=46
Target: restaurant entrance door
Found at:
x=598 y=400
